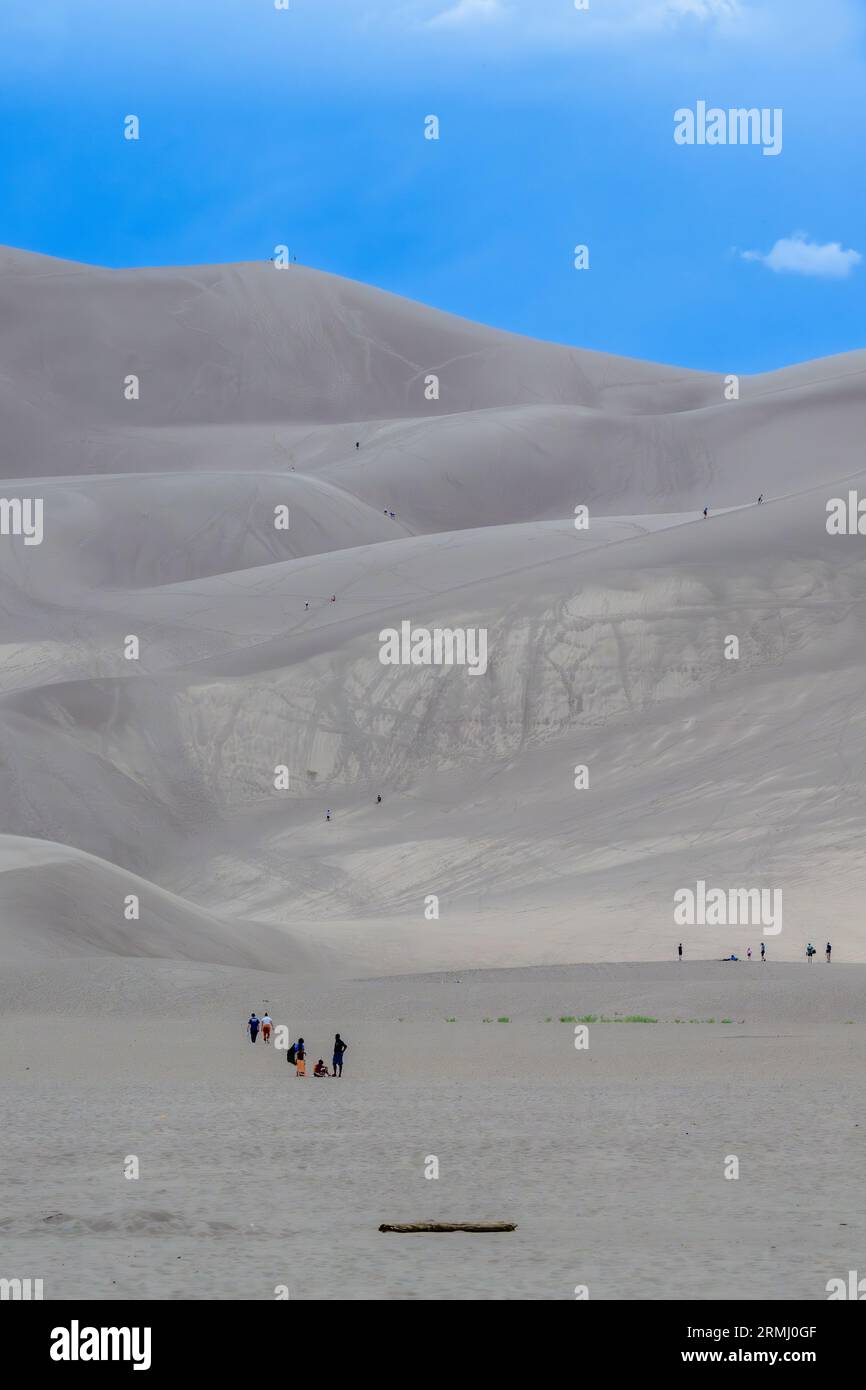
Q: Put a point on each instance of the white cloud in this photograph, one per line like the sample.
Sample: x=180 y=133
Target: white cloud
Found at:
x=797 y=255
x=702 y=9
x=465 y=11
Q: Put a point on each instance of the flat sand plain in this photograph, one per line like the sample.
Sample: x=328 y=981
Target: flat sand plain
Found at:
x=610 y=1159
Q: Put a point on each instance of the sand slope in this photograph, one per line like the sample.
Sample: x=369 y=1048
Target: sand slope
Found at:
x=605 y=645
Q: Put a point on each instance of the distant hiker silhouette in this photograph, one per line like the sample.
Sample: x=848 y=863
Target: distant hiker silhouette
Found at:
x=357 y=444
x=378 y=800
x=327 y=815
x=763 y=952
x=253 y=1026
x=680 y=951
x=706 y=510
x=829 y=949
x=333 y=598
x=760 y=499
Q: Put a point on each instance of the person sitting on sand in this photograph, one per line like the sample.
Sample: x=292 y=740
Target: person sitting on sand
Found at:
x=320 y=1069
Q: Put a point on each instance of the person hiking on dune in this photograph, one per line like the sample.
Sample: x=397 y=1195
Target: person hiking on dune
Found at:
x=253 y=1026
x=706 y=512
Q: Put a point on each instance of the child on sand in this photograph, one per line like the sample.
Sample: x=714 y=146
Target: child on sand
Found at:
x=300 y=1059
x=320 y=1069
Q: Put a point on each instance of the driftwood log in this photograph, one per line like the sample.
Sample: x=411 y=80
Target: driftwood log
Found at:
x=482 y=1227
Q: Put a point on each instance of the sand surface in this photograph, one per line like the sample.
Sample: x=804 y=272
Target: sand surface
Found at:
x=158 y=880
x=155 y=776
x=610 y=1159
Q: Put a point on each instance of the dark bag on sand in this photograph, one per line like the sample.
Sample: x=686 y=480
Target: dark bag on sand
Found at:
x=290 y=1054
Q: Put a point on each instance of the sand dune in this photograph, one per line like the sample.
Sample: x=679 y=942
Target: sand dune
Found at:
x=158 y=878
x=605 y=645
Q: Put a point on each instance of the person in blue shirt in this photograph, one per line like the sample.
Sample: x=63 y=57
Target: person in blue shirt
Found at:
x=253 y=1027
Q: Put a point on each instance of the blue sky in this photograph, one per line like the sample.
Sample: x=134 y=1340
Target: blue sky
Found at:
x=306 y=127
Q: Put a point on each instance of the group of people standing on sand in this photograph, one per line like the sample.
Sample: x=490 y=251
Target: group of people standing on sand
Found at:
x=296 y=1054
x=811 y=951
